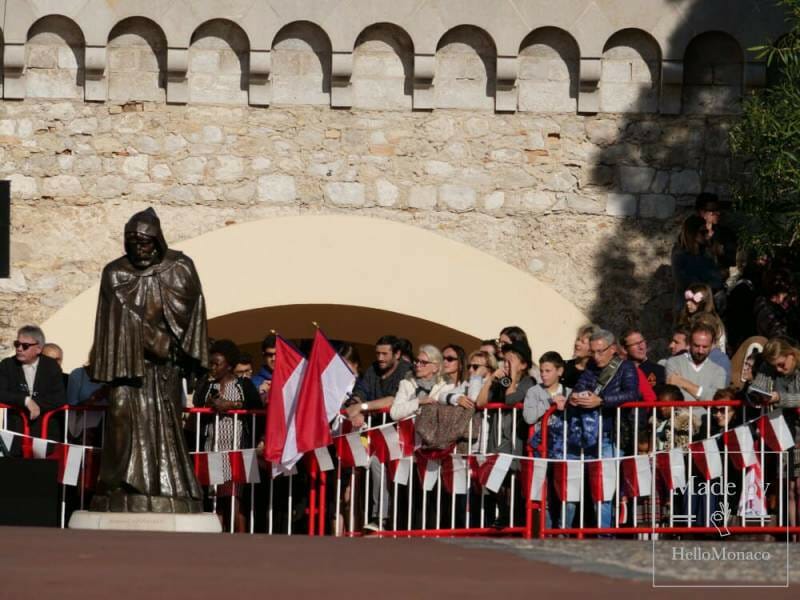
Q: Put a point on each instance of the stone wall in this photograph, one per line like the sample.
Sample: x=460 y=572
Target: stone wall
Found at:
x=587 y=204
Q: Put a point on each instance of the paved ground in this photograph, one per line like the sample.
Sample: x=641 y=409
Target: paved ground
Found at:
x=51 y=563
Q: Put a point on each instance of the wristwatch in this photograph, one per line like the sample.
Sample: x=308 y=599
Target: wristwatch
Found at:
x=364 y=407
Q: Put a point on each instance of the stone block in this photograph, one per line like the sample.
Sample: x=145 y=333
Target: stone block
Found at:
x=422 y=197
x=660 y=182
x=584 y=204
x=636 y=179
x=135 y=167
x=61 y=186
x=494 y=201
x=685 y=182
x=459 y=198
x=42 y=57
x=228 y=168
x=560 y=180
x=241 y=194
x=191 y=169
x=70 y=58
x=621 y=205
x=345 y=194
x=108 y=186
x=616 y=71
x=537 y=202
x=657 y=206
x=160 y=171
x=603 y=132
x=386 y=193
x=276 y=189
x=507 y=155
x=438 y=168
x=15 y=284
x=23 y=187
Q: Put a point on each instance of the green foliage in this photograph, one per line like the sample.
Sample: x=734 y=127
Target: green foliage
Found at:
x=767 y=142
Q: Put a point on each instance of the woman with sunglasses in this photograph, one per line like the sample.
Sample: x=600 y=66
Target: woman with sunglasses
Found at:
x=423 y=386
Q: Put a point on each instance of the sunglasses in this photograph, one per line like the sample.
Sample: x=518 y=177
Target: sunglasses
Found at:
x=475 y=367
x=450 y=358
x=24 y=345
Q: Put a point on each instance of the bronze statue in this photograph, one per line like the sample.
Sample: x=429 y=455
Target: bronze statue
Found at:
x=150 y=330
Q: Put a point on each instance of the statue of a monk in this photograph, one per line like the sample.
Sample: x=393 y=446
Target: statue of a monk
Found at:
x=150 y=330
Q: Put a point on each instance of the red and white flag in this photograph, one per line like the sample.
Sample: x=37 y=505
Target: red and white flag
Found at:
x=672 y=469
x=602 y=479
x=706 y=457
x=325 y=385
x=739 y=443
x=776 y=433
x=384 y=443
x=208 y=468
x=351 y=450
x=454 y=474
x=243 y=466
x=637 y=476
x=567 y=480
x=428 y=472
x=400 y=471
x=39 y=447
x=753 y=502
x=493 y=471
x=323 y=457
x=538 y=479
x=407 y=436
x=281 y=444
x=8 y=439
x=69 y=459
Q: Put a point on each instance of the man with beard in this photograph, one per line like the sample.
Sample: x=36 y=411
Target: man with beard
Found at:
x=693 y=372
x=150 y=330
x=378 y=387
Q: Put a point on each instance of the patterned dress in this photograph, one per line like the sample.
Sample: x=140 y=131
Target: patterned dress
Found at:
x=228 y=433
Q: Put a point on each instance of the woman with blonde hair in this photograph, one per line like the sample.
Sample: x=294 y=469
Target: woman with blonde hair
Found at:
x=421 y=387
x=778 y=383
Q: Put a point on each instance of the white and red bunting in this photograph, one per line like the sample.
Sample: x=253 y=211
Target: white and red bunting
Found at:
x=637 y=476
x=567 y=480
x=351 y=450
x=707 y=458
x=776 y=432
x=739 y=442
x=455 y=474
x=216 y=468
x=384 y=443
x=603 y=479
x=672 y=469
x=538 y=479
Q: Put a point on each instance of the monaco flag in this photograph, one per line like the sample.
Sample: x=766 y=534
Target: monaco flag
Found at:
x=739 y=442
x=384 y=443
x=351 y=451
x=602 y=479
x=538 y=479
x=637 y=476
x=776 y=433
x=671 y=469
x=567 y=480
x=325 y=385
x=706 y=457
x=281 y=444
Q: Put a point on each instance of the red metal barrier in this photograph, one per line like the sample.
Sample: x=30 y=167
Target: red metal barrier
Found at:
x=27 y=448
x=627 y=530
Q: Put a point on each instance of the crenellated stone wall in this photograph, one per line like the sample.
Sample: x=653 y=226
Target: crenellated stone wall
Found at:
x=564 y=142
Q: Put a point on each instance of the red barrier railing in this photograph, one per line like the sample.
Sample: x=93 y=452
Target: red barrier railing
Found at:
x=689 y=408
x=27 y=449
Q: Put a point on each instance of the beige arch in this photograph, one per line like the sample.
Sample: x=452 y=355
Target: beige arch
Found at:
x=400 y=268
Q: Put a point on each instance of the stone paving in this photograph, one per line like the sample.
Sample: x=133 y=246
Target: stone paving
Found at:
x=677 y=562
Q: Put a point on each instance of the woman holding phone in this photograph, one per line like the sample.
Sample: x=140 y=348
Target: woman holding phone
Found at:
x=777 y=385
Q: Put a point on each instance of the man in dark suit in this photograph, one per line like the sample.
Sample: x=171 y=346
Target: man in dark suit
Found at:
x=31 y=381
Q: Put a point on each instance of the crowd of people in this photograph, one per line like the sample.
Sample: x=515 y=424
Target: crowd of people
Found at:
x=732 y=339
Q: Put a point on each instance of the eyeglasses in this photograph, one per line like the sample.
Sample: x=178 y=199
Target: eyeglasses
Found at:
x=24 y=345
x=475 y=367
x=422 y=363
x=450 y=358
x=598 y=352
x=636 y=343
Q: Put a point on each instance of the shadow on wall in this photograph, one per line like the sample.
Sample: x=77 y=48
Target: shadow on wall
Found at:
x=652 y=165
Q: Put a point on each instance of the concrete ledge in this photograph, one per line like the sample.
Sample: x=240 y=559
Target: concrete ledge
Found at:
x=196 y=523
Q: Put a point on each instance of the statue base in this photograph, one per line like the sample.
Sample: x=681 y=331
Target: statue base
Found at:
x=129 y=521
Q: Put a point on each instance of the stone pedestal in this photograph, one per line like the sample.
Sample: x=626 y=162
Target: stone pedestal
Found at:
x=111 y=521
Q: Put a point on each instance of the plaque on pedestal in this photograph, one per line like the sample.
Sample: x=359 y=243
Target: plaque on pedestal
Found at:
x=129 y=521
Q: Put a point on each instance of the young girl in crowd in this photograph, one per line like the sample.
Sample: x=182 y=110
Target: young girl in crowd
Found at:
x=698 y=300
